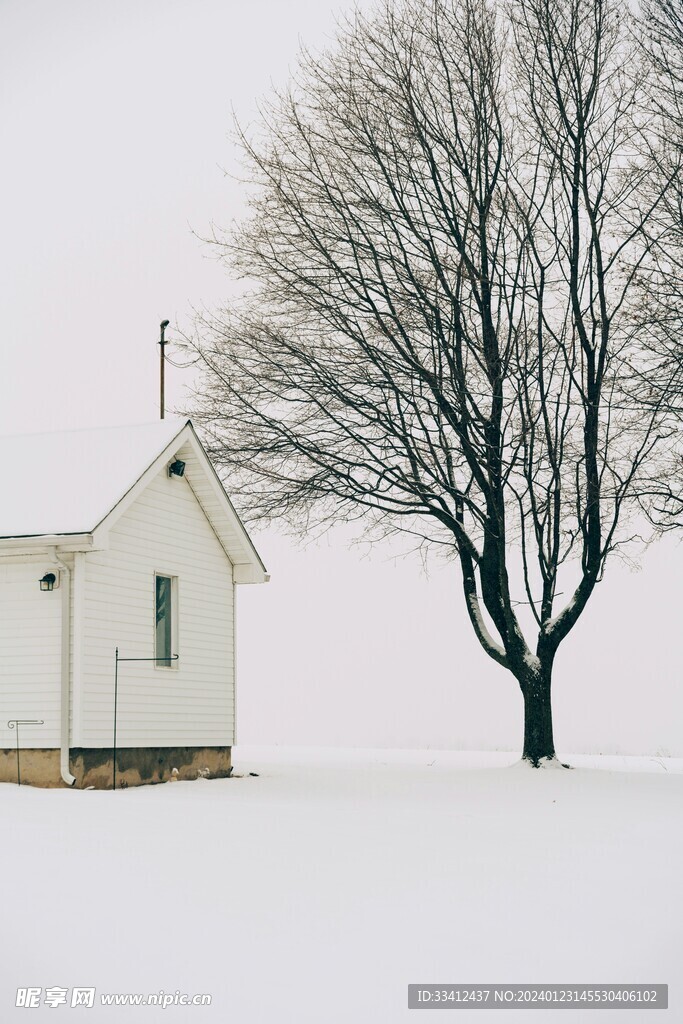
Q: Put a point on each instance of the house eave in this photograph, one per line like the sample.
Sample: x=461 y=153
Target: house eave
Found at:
x=248 y=572
x=43 y=543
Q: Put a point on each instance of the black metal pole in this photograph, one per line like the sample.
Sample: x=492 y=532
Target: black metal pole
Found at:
x=116 y=703
x=162 y=366
x=18 y=768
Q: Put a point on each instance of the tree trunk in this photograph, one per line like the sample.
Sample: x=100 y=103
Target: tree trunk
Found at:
x=538 y=717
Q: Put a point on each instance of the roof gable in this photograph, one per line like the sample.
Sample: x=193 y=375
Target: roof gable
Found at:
x=80 y=482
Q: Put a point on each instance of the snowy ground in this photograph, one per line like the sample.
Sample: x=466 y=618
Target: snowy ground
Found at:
x=319 y=890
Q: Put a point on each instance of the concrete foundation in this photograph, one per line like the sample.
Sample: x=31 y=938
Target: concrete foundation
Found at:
x=135 y=766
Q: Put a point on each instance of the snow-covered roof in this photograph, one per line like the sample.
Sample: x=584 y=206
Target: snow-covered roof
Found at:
x=72 y=483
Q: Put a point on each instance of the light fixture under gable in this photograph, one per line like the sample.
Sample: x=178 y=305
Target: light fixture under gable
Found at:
x=177 y=468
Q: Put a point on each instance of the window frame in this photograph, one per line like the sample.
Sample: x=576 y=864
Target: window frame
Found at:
x=159 y=663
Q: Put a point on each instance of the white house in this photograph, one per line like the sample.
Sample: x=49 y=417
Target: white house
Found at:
x=123 y=538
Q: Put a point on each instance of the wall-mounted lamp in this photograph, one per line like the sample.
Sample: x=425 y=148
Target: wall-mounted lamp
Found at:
x=176 y=468
x=48 y=581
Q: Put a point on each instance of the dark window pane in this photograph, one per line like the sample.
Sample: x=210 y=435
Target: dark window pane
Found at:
x=163 y=619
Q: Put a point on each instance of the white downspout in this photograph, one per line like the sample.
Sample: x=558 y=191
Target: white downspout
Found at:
x=65 y=587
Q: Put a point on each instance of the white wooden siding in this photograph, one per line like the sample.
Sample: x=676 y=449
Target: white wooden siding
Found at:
x=30 y=653
x=192 y=704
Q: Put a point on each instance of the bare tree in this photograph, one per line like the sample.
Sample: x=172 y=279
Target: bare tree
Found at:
x=660 y=284
x=660 y=32
x=450 y=214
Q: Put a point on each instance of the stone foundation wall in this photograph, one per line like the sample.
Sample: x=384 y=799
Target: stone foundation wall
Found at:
x=135 y=766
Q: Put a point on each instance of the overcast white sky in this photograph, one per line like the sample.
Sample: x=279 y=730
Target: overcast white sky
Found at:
x=114 y=120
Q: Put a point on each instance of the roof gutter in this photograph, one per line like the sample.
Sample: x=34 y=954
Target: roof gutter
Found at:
x=65 y=588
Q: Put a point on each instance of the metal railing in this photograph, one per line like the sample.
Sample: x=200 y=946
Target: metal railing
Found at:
x=173 y=657
x=14 y=723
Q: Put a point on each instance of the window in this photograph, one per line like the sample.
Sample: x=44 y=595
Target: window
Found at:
x=165 y=611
